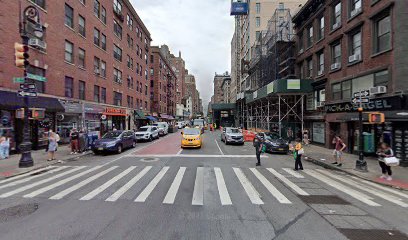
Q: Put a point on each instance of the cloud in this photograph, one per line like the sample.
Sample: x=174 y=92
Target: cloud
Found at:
x=201 y=30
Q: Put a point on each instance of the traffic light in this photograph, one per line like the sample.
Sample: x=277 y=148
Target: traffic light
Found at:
x=37 y=113
x=21 y=53
x=376 y=117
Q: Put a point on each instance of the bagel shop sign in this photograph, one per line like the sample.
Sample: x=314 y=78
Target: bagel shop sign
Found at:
x=376 y=104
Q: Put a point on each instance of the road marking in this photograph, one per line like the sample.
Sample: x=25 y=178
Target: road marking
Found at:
x=375 y=192
x=81 y=184
x=171 y=194
x=272 y=189
x=109 y=183
x=179 y=152
x=150 y=187
x=25 y=174
x=198 y=156
x=198 y=194
x=24 y=188
x=32 y=177
x=343 y=188
x=293 y=173
x=222 y=188
x=388 y=189
x=128 y=185
x=253 y=195
x=218 y=146
x=59 y=183
x=288 y=182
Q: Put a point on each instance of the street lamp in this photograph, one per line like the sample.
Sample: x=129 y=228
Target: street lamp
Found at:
x=30 y=13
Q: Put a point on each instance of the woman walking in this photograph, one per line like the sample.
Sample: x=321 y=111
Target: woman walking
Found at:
x=299 y=153
x=52 y=146
x=385 y=151
x=4 y=147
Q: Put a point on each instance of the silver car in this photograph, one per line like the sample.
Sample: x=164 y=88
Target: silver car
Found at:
x=232 y=135
x=147 y=133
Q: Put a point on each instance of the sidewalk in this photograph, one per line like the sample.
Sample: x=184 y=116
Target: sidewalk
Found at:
x=324 y=157
x=9 y=167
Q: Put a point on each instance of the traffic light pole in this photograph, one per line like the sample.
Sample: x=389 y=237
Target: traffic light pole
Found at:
x=361 y=164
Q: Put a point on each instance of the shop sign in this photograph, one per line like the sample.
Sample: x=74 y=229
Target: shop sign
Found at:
x=379 y=104
x=94 y=109
x=269 y=88
x=115 y=111
x=293 y=84
x=71 y=106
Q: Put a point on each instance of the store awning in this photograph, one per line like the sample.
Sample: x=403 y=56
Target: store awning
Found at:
x=171 y=117
x=139 y=115
x=11 y=101
x=151 y=118
x=164 y=116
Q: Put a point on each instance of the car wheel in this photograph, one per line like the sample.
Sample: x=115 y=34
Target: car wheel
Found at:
x=226 y=142
x=96 y=152
x=134 y=144
x=119 y=149
x=150 y=138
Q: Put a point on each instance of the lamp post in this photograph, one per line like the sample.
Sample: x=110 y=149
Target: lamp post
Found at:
x=32 y=14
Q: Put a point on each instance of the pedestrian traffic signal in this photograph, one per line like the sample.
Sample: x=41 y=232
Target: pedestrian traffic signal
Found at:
x=21 y=53
x=37 y=113
x=376 y=117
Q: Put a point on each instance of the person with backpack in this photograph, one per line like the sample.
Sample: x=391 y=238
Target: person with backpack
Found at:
x=259 y=148
x=298 y=155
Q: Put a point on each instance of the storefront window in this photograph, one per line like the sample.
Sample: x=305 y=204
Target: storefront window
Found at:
x=381 y=78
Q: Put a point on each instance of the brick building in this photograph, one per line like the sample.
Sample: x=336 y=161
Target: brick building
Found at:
x=191 y=91
x=347 y=46
x=218 y=91
x=162 y=85
x=94 y=55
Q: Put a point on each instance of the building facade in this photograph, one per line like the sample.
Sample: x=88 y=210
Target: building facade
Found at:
x=218 y=91
x=94 y=56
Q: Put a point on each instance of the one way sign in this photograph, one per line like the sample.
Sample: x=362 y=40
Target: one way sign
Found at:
x=362 y=93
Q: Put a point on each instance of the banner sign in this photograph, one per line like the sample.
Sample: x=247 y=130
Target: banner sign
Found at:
x=239 y=8
x=379 y=104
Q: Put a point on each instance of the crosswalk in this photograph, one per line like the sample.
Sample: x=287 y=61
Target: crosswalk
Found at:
x=168 y=185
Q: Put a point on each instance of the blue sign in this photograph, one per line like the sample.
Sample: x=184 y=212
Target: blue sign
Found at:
x=239 y=8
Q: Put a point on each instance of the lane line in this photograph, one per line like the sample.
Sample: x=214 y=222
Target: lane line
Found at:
x=343 y=188
x=32 y=185
x=384 y=188
x=179 y=152
x=171 y=194
x=59 y=183
x=218 y=146
x=25 y=174
x=253 y=195
x=288 y=182
x=222 y=188
x=33 y=177
x=272 y=189
x=109 y=183
x=151 y=186
x=293 y=173
x=198 y=156
x=81 y=184
x=375 y=192
x=128 y=185
x=198 y=194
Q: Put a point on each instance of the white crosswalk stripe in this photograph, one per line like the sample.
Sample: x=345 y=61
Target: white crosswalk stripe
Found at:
x=109 y=183
x=198 y=194
x=150 y=187
x=171 y=194
x=293 y=173
x=222 y=188
x=387 y=189
x=272 y=189
x=287 y=182
x=26 y=174
x=253 y=195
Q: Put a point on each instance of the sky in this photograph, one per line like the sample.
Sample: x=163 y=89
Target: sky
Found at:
x=201 y=30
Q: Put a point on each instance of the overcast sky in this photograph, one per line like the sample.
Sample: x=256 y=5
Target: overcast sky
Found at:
x=201 y=30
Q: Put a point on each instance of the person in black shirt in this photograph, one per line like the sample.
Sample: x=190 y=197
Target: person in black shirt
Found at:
x=258 y=144
x=74 y=141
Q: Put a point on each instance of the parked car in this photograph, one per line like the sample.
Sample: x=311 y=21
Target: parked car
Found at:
x=147 y=133
x=163 y=128
x=114 y=141
x=274 y=143
x=180 y=125
x=199 y=123
x=232 y=135
x=191 y=138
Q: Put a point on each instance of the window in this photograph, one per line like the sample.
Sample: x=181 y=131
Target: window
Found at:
x=336 y=20
x=310 y=68
x=382 y=34
x=103 y=15
x=257 y=35
x=117 y=76
x=130 y=82
x=97 y=34
x=117 y=98
x=137 y=86
x=336 y=90
x=300 y=37
x=137 y=68
x=40 y=3
x=320 y=58
x=346 y=89
x=117 y=6
x=258 y=21
x=355 y=7
x=381 y=78
x=103 y=41
x=258 y=8
x=355 y=46
x=97 y=96
x=117 y=29
x=97 y=7
x=69 y=16
x=103 y=95
x=129 y=62
x=117 y=53
x=321 y=28
x=310 y=36
x=151 y=71
x=69 y=87
x=81 y=25
x=129 y=21
x=336 y=53
x=97 y=64
x=69 y=52
x=81 y=58
x=146 y=74
x=130 y=101
x=103 y=69
x=146 y=90
x=81 y=90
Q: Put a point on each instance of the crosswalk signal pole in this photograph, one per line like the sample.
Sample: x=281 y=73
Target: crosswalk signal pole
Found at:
x=361 y=164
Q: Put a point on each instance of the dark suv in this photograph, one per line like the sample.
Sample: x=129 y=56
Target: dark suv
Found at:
x=115 y=141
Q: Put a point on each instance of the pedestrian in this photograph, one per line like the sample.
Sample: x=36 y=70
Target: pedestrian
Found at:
x=259 y=145
x=306 y=137
x=74 y=141
x=289 y=133
x=385 y=151
x=298 y=154
x=52 y=145
x=215 y=126
x=339 y=146
x=4 y=147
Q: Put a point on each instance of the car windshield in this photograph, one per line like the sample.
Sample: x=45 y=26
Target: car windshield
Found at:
x=143 y=129
x=271 y=136
x=111 y=135
x=232 y=130
x=198 y=123
x=191 y=131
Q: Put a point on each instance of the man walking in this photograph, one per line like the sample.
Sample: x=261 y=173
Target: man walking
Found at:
x=258 y=144
x=74 y=141
x=339 y=146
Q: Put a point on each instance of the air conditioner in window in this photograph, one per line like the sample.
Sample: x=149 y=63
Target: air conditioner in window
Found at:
x=320 y=104
x=378 y=90
x=354 y=58
x=96 y=71
x=336 y=25
x=35 y=42
x=355 y=12
x=320 y=72
x=335 y=66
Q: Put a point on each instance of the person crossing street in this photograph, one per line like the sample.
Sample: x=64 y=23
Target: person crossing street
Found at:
x=259 y=145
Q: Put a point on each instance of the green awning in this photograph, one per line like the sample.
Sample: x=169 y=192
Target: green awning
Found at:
x=140 y=115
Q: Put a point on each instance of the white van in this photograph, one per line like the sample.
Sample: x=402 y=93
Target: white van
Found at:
x=163 y=128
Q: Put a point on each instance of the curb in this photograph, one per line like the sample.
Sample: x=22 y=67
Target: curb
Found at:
x=330 y=166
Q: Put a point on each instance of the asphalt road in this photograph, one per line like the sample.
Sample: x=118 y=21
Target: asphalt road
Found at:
x=158 y=191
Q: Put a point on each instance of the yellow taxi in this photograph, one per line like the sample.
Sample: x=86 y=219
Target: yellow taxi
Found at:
x=191 y=138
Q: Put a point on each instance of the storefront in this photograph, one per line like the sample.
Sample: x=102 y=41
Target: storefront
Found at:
x=71 y=118
x=114 y=118
x=139 y=119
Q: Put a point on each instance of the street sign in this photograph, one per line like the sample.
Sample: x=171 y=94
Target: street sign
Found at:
x=28 y=87
x=18 y=79
x=362 y=93
x=36 y=77
x=27 y=94
x=360 y=100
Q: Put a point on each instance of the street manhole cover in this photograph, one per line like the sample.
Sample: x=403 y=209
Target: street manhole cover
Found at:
x=323 y=199
x=149 y=159
x=372 y=234
x=11 y=213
